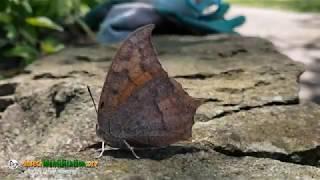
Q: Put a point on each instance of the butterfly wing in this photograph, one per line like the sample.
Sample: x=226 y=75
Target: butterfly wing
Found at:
x=139 y=102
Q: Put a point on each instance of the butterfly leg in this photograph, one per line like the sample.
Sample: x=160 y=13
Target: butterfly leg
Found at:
x=131 y=149
x=105 y=148
x=102 y=150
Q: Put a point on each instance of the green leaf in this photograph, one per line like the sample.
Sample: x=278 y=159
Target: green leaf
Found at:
x=3 y=5
x=28 y=53
x=5 y=18
x=26 y=6
x=92 y=3
x=11 y=32
x=29 y=34
x=84 y=9
x=60 y=8
x=44 y=22
x=50 y=46
x=3 y=42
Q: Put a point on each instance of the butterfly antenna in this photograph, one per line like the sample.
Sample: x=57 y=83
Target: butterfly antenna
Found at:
x=94 y=104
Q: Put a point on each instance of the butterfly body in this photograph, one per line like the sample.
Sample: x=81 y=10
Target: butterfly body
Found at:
x=139 y=102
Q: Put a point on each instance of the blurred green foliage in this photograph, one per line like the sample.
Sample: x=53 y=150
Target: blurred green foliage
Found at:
x=296 y=5
x=26 y=26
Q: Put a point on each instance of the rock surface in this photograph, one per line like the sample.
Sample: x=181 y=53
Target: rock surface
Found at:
x=300 y=40
x=251 y=126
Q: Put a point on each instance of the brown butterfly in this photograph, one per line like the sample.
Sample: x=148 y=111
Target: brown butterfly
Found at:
x=140 y=105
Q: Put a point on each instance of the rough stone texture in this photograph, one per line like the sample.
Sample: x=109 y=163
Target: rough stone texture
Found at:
x=288 y=133
x=251 y=122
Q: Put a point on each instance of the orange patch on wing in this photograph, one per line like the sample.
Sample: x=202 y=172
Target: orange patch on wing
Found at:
x=130 y=87
x=142 y=79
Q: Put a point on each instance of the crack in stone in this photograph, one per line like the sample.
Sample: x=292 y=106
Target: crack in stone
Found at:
x=232 y=53
x=81 y=73
x=203 y=76
x=310 y=157
x=49 y=76
x=5 y=101
x=289 y=102
x=8 y=89
x=69 y=75
x=206 y=100
x=242 y=90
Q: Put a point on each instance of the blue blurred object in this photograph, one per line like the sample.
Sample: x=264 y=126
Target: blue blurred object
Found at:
x=125 y=18
x=117 y=18
x=200 y=6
